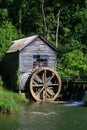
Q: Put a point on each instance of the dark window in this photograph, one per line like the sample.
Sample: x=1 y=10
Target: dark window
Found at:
x=40 y=60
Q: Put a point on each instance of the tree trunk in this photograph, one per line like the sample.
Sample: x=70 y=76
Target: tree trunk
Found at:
x=20 y=18
x=44 y=18
x=57 y=30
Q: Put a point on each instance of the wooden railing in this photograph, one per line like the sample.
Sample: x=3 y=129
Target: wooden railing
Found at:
x=76 y=79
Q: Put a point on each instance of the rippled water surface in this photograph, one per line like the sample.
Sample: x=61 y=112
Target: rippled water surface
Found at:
x=46 y=117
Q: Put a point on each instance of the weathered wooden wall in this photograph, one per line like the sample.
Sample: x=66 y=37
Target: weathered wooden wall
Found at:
x=38 y=47
x=22 y=60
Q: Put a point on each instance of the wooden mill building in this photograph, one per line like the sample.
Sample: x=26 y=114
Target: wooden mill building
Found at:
x=24 y=56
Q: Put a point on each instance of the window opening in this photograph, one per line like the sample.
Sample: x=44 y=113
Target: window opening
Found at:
x=40 y=60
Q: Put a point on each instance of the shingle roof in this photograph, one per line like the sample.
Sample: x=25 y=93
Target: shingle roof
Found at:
x=21 y=43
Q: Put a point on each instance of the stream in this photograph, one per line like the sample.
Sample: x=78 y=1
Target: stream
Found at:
x=47 y=116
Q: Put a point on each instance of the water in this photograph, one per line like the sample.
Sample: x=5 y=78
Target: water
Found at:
x=46 y=117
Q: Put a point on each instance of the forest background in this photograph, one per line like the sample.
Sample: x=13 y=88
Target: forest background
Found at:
x=62 y=22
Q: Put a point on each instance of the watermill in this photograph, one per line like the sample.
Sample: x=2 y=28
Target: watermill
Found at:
x=35 y=58
x=45 y=84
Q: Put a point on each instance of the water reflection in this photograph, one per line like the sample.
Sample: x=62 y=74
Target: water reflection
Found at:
x=46 y=117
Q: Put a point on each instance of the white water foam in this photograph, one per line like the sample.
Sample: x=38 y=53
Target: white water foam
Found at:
x=75 y=103
x=43 y=113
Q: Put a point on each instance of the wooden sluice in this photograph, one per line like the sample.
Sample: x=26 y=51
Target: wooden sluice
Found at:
x=74 y=88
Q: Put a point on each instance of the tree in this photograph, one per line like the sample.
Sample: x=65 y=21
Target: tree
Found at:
x=28 y=17
x=57 y=30
x=7 y=34
x=44 y=18
x=73 y=63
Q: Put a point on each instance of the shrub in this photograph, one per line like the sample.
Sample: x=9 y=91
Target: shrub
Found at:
x=10 y=102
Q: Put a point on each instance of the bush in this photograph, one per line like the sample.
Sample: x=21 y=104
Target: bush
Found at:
x=10 y=102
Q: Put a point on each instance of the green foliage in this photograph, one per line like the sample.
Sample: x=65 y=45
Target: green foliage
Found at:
x=7 y=34
x=73 y=63
x=17 y=79
x=3 y=14
x=25 y=17
x=10 y=102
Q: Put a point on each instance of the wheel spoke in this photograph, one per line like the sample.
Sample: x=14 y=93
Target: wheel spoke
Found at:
x=52 y=85
x=38 y=78
x=37 y=85
x=39 y=92
x=44 y=76
x=50 y=78
x=50 y=91
x=47 y=95
x=44 y=95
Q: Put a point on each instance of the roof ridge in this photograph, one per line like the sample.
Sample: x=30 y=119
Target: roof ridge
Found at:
x=23 y=42
x=24 y=38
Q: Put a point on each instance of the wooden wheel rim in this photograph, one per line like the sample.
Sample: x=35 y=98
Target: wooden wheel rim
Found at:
x=45 y=84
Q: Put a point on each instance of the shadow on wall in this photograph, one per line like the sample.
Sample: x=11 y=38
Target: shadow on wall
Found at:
x=26 y=92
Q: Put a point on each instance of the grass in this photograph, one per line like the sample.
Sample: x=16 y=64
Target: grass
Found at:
x=10 y=101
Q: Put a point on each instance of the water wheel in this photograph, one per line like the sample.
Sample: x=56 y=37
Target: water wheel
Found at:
x=45 y=84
